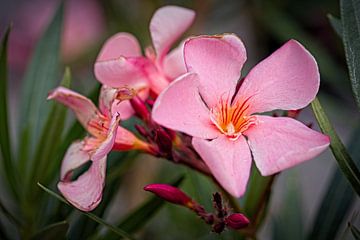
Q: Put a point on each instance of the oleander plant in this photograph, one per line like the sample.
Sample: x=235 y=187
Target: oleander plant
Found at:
x=180 y=119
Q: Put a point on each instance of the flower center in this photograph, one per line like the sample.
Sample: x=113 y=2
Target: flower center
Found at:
x=98 y=128
x=232 y=119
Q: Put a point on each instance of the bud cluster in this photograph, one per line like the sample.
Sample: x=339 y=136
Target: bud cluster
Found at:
x=219 y=219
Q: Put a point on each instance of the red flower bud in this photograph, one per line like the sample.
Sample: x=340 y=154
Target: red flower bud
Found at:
x=163 y=140
x=170 y=194
x=237 y=221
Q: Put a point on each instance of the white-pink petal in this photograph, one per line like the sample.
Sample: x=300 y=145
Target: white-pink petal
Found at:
x=167 y=25
x=122 y=72
x=218 y=61
x=181 y=108
x=106 y=99
x=108 y=143
x=85 y=193
x=229 y=161
x=287 y=79
x=83 y=108
x=121 y=44
x=74 y=158
x=278 y=143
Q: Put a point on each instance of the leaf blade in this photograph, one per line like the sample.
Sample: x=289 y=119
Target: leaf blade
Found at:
x=40 y=76
x=54 y=231
x=338 y=149
x=339 y=197
x=95 y=218
x=350 y=19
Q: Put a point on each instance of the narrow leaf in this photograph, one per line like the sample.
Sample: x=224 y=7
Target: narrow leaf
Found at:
x=257 y=196
x=346 y=164
x=45 y=158
x=117 y=231
x=5 y=141
x=339 y=198
x=40 y=77
x=288 y=224
x=336 y=24
x=54 y=231
x=355 y=231
x=350 y=18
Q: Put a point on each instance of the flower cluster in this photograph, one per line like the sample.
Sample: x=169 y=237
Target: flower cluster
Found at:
x=194 y=109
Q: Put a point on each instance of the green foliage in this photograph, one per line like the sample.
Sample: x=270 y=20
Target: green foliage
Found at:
x=355 y=231
x=350 y=19
x=5 y=141
x=92 y=216
x=53 y=231
x=338 y=197
x=41 y=76
x=341 y=155
x=288 y=224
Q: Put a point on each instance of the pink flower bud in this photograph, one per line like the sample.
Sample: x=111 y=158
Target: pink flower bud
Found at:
x=140 y=108
x=170 y=194
x=237 y=221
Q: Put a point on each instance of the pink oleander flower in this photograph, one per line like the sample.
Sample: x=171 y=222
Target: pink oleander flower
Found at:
x=105 y=135
x=120 y=62
x=227 y=131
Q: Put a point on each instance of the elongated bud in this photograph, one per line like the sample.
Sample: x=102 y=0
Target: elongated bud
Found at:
x=141 y=130
x=237 y=221
x=140 y=108
x=169 y=193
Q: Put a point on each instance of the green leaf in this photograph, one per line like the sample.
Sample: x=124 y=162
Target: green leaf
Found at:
x=339 y=198
x=355 y=231
x=53 y=231
x=346 y=164
x=288 y=224
x=350 y=18
x=117 y=231
x=46 y=159
x=41 y=76
x=5 y=140
x=336 y=24
x=257 y=196
x=140 y=216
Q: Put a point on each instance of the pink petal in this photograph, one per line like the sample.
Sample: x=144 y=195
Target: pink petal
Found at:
x=229 y=161
x=167 y=25
x=85 y=193
x=121 y=44
x=108 y=143
x=218 y=61
x=106 y=99
x=122 y=72
x=280 y=143
x=124 y=140
x=83 y=108
x=174 y=64
x=74 y=158
x=181 y=108
x=287 y=79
